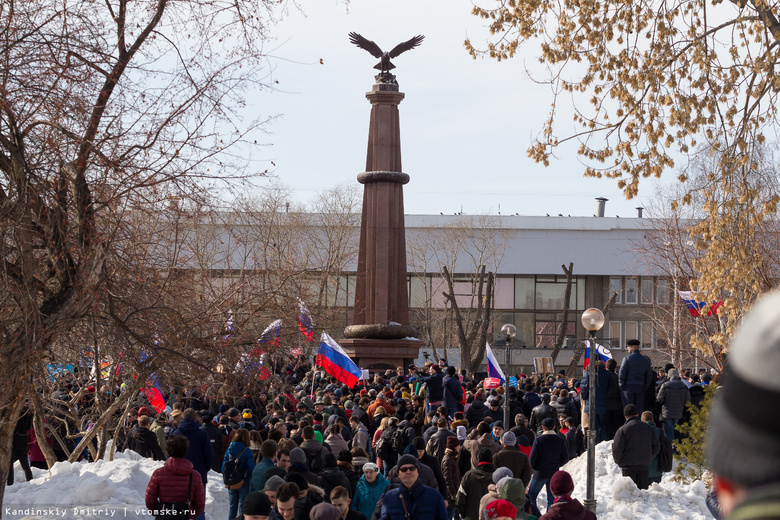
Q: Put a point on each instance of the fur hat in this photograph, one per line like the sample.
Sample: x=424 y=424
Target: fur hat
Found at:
x=743 y=446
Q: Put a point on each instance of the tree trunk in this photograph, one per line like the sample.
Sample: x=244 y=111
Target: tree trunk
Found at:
x=484 y=325
x=99 y=425
x=565 y=318
x=12 y=396
x=465 y=347
x=40 y=430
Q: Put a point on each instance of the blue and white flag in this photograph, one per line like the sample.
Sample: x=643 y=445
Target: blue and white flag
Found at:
x=603 y=352
x=493 y=369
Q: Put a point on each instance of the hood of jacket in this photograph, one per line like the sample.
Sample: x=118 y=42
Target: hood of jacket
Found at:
x=178 y=466
x=486 y=440
x=312 y=446
x=477 y=404
x=486 y=477
x=513 y=491
x=188 y=426
x=332 y=475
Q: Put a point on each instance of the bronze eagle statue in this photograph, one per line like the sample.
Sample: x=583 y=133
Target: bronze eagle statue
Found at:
x=384 y=64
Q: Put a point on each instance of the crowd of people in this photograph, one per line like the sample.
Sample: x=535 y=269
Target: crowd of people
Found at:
x=412 y=443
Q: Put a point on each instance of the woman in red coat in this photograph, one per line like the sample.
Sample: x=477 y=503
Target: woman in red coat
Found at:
x=172 y=482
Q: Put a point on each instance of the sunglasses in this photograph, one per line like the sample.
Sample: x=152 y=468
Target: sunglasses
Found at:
x=407 y=469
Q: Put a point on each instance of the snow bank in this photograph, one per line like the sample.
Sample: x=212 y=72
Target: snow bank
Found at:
x=101 y=490
x=617 y=497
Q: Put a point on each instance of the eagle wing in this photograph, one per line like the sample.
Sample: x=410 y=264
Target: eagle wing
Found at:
x=405 y=46
x=368 y=45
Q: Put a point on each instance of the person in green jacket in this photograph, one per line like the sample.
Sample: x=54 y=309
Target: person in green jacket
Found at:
x=268 y=451
x=370 y=488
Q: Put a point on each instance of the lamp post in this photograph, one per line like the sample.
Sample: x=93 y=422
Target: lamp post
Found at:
x=509 y=331
x=592 y=320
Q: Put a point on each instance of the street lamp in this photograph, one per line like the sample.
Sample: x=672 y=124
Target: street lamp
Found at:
x=509 y=331
x=592 y=320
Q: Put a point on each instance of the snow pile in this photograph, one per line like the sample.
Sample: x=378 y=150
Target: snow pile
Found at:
x=618 y=497
x=89 y=491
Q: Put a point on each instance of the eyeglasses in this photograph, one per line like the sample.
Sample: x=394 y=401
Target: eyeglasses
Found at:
x=407 y=469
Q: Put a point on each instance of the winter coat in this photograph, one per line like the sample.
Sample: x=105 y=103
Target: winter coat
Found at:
x=635 y=371
x=476 y=412
x=215 y=437
x=530 y=401
x=434 y=387
x=540 y=413
x=23 y=425
x=474 y=445
x=331 y=477
x=635 y=444
x=603 y=388
x=314 y=450
x=567 y=408
x=348 y=471
x=258 y=474
x=390 y=409
x=673 y=395
x=337 y=444
x=362 y=415
x=422 y=503
x=426 y=476
x=492 y=494
x=548 y=454
x=451 y=473
x=571 y=510
x=159 y=430
x=575 y=441
x=511 y=457
x=653 y=470
x=200 y=453
x=360 y=437
x=170 y=484
x=614 y=400
x=514 y=492
x=472 y=488
x=303 y=506
x=438 y=443
x=144 y=442
x=367 y=495
x=433 y=463
x=246 y=459
x=453 y=392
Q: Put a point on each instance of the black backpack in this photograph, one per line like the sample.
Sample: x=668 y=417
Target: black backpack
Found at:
x=401 y=438
x=233 y=472
x=314 y=461
x=384 y=446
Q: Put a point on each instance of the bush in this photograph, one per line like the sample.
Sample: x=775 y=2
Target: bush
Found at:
x=690 y=448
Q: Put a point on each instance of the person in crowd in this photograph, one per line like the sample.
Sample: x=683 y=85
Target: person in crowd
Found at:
x=215 y=437
x=500 y=510
x=513 y=491
x=575 y=438
x=158 y=429
x=340 y=498
x=451 y=473
x=634 y=447
x=412 y=500
x=565 y=404
x=521 y=428
x=298 y=464
x=654 y=472
x=335 y=441
x=434 y=387
x=272 y=485
x=477 y=409
x=313 y=449
x=475 y=485
x=432 y=462
x=484 y=439
x=453 y=391
x=565 y=507
x=310 y=495
x=177 y=481
x=360 y=437
x=257 y=506
x=672 y=396
x=548 y=454
x=324 y=512
x=613 y=419
x=542 y=412
x=286 y=496
x=268 y=461
x=603 y=388
x=239 y=450
x=743 y=447
x=636 y=376
x=438 y=442
x=200 y=454
x=283 y=458
x=143 y=441
x=492 y=491
x=20 y=445
x=370 y=488
x=348 y=470
x=331 y=476
x=511 y=457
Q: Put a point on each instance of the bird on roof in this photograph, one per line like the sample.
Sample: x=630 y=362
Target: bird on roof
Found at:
x=384 y=64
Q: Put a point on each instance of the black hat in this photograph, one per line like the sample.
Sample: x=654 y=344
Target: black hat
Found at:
x=408 y=459
x=257 y=503
x=633 y=343
x=418 y=443
x=297 y=479
x=548 y=423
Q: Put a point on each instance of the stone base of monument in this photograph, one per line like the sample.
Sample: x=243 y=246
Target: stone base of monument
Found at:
x=381 y=354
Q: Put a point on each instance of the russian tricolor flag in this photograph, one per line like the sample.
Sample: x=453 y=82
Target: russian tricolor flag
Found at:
x=305 y=325
x=695 y=307
x=603 y=352
x=271 y=334
x=493 y=369
x=336 y=362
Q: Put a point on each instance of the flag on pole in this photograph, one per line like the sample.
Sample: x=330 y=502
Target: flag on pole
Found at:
x=695 y=307
x=305 y=324
x=493 y=369
x=603 y=352
x=271 y=334
x=336 y=362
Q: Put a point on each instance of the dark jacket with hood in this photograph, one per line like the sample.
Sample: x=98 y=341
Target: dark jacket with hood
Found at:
x=571 y=510
x=331 y=477
x=200 y=454
x=476 y=412
x=453 y=392
x=673 y=395
x=603 y=389
x=635 y=444
x=421 y=502
x=144 y=442
x=434 y=387
x=472 y=488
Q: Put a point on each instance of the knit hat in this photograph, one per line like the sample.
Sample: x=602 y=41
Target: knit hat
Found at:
x=743 y=446
x=297 y=456
x=561 y=483
x=498 y=424
x=501 y=473
x=418 y=443
x=145 y=411
x=324 y=511
x=257 y=503
x=509 y=439
x=404 y=460
x=233 y=412
x=329 y=461
x=548 y=423
x=630 y=410
x=348 y=405
x=452 y=443
x=499 y=508
x=461 y=431
x=484 y=455
x=223 y=408
x=273 y=483
x=370 y=466
x=297 y=479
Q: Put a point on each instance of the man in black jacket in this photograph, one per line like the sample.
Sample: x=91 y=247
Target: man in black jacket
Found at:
x=453 y=392
x=548 y=454
x=142 y=441
x=634 y=447
x=542 y=412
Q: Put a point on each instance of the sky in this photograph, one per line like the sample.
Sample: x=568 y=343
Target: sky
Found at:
x=465 y=124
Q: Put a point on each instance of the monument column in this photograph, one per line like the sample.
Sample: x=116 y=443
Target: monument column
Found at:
x=380 y=335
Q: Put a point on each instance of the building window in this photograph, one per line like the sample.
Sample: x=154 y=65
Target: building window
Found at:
x=631 y=291
x=524 y=293
x=647 y=335
x=647 y=291
x=616 y=287
x=662 y=291
x=632 y=331
x=615 y=334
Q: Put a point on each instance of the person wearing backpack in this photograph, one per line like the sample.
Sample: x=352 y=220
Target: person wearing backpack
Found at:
x=176 y=485
x=237 y=470
x=314 y=450
x=402 y=437
x=384 y=446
